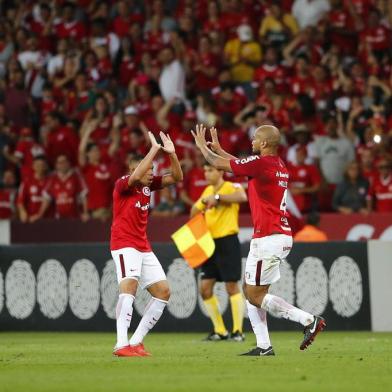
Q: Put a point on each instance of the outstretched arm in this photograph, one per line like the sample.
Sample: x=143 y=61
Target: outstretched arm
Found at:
x=176 y=172
x=146 y=163
x=211 y=157
x=216 y=147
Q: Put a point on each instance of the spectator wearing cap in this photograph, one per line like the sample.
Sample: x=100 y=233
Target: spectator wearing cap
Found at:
x=133 y=134
x=350 y=194
x=26 y=150
x=380 y=191
x=67 y=191
x=31 y=191
x=309 y=12
x=243 y=55
x=311 y=231
x=277 y=28
x=302 y=138
x=172 y=77
x=305 y=181
x=8 y=192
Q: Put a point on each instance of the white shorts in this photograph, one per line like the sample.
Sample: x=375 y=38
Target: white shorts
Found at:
x=265 y=255
x=141 y=266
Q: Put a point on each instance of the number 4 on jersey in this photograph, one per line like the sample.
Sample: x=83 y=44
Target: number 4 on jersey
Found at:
x=283 y=203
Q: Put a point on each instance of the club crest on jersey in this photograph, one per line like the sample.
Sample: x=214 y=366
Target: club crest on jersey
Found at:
x=146 y=191
x=246 y=160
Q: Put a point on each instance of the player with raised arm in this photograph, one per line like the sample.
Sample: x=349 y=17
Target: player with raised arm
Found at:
x=272 y=240
x=131 y=251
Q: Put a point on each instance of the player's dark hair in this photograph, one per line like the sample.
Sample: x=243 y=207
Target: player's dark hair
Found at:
x=137 y=158
x=208 y=164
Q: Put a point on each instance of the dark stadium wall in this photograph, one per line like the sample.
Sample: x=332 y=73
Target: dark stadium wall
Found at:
x=73 y=288
x=338 y=227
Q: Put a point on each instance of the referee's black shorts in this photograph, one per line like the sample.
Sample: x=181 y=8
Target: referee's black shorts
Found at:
x=225 y=263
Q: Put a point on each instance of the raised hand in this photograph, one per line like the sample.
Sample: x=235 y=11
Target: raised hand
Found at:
x=168 y=145
x=200 y=136
x=154 y=144
x=214 y=144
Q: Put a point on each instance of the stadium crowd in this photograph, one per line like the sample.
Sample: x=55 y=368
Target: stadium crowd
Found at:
x=82 y=82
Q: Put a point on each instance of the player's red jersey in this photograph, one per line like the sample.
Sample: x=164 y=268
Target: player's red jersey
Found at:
x=30 y=194
x=99 y=186
x=267 y=192
x=130 y=213
x=66 y=192
x=381 y=191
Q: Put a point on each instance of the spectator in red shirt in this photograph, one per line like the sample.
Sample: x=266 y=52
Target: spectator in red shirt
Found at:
x=229 y=99
x=67 y=190
x=271 y=69
x=26 y=150
x=305 y=181
x=70 y=27
x=60 y=139
x=124 y=19
x=7 y=195
x=376 y=36
x=194 y=181
x=204 y=65
x=380 y=191
x=98 y=180
x=31 y=191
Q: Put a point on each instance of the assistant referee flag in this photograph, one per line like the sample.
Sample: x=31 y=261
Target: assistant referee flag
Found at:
x=194 y=241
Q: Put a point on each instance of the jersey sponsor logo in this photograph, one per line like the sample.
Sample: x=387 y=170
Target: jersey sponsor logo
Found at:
x=283 y=175
x=246 y=160
x=282 y=184
x=142 y=207
x=146 y=191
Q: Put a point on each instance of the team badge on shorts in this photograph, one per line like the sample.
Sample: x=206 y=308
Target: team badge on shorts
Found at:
x=146 y=191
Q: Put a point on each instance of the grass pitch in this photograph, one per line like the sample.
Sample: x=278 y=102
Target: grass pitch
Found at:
x=340 y=361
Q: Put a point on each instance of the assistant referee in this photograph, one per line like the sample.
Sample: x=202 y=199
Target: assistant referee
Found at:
x=219 y=203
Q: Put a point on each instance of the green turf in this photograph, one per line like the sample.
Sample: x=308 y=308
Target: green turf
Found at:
x=181 y=362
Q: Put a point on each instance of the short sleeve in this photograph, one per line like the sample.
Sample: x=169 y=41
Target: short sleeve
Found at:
x=156 y=183
x=249 y=166
x=122 y=186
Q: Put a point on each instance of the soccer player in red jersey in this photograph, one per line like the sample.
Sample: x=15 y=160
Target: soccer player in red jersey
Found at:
x=131 y=251
x=272 y=241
